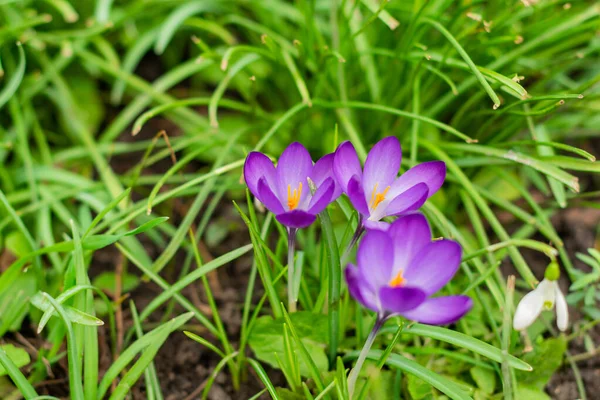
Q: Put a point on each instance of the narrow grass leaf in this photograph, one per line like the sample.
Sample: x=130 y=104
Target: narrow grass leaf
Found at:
x=262 y=375
x=150 y=339
x=13 y=84
x=12 y=370
x=466 y=342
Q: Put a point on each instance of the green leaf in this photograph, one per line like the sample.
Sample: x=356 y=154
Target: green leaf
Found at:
x=109 y=207
x=488 y=179
x=152 y=339
x=106 y=282
x=138 y=368
x=17 y=355
x=76 y=316
x=147 y=226
x=380 y=383
x=585 y=280
x=91 y=112
x=17 y=244
x=466 y=342
x=286 y=394
x=25 y=388
x=15 y=80
x=262 y=375
x=592 y=312
x=96 y=242
x=484 y=378
x=545 y=359
x=14 y=303
x=530 y=393
x=441 y=383
x=417 y=388
x=267 y=338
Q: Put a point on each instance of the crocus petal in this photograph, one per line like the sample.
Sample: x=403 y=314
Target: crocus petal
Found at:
x=268 y=198
x=357 y=195
x=434 y=266
x=293 y=167
x=322 y=197
x=529 y=308
x=440 y=310
x=410 y=200
x=346 y=165
x=322 y=170
x=358 y=289
x=296 y=219
x=256 y=166
x=382 y=164
x=375 y=257
x=397 y=300
x=432 y=173
x=376 y=225
x=410 y=234
x=562 y=311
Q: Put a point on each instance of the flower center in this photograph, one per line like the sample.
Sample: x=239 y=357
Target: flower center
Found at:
x=397 y=281
x=548 y=305
x=377 y=197
x=294 y=197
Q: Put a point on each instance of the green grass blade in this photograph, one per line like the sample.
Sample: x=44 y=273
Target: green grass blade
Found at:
x=109 y=207
x=441 y=383
x=466 y=342
x=75 y=383
x=334 y=284
x=468 y=60
x=15 y=81
x=25 y=388
x=262 y=375
x=150 y=339
x=175 y=20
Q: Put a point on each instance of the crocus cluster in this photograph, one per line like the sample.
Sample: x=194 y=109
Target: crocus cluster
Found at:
x=399 y=268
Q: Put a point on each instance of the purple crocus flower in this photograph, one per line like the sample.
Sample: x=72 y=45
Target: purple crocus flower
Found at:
x=376 y=191
x=398 y=271
x=285 y=190
x=401 y=268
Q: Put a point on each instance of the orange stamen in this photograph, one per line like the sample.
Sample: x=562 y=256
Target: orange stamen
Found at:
x=294 y=197
x=398 y=280
x=377 y=197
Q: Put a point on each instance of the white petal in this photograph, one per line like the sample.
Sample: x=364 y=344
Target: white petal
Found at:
x=562 y=311
x=529 y=308
x=548 y=288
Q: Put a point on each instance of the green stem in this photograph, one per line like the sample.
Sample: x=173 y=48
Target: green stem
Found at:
x=363 y=355
x=292 y=295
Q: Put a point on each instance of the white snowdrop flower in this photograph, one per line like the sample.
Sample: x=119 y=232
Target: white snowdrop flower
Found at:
x=545 y=296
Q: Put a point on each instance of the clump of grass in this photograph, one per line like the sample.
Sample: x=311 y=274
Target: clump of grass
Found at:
x=505 y=93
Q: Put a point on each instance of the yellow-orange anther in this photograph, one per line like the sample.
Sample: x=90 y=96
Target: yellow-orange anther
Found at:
x=377 y=197
x=294 y=197
x=398 y=280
